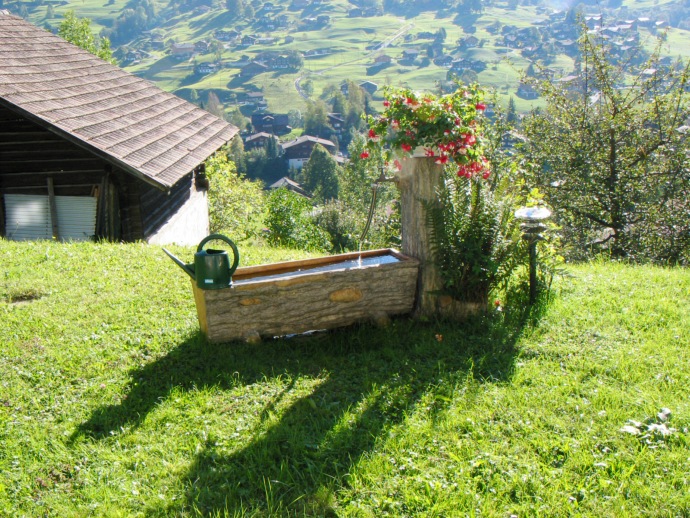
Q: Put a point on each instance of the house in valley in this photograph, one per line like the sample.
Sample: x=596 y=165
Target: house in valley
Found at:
x=298 y=151
x=290 y=185
x=259 y=140
x=88 y=150
x=274 y=123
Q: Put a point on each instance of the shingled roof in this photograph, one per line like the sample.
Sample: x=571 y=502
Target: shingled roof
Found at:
x=124 y=119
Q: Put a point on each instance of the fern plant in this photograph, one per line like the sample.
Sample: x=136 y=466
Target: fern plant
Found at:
x=475 y=238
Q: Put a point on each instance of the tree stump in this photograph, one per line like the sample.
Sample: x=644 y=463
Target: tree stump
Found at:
x=418 y=182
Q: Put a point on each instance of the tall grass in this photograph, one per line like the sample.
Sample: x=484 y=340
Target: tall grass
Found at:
x=112 y=404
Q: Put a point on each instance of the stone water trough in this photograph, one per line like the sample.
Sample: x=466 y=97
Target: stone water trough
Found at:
x=313 y=294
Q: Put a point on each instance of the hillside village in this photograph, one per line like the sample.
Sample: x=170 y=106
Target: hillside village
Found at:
x=259 y=64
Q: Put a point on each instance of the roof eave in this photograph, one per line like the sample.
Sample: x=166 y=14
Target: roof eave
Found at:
x=114 y=161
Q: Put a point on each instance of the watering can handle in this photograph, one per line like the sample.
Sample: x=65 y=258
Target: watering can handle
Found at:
x=221 y=237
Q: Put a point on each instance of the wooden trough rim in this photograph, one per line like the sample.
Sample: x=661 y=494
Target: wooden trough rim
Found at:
x=302 y=266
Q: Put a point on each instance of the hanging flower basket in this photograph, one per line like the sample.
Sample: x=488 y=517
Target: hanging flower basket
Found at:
x=447 y=128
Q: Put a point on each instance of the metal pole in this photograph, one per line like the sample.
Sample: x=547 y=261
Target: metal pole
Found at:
x=532 y=270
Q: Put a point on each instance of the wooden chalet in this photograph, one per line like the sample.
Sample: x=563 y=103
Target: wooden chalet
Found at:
x=298 y=151
x=290 y=185
x=88 y=150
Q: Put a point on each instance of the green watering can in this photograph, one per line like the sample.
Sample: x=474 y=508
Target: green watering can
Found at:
x=211 y=269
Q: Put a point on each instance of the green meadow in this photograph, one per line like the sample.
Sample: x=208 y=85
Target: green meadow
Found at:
x=113 y=404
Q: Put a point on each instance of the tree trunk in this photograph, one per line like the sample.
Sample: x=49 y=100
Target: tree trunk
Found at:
x=418 y=182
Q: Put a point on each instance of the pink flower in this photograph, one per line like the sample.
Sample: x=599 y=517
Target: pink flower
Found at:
x=470 y=140
x=397 y=165
x=364 y=155
x=395 y=124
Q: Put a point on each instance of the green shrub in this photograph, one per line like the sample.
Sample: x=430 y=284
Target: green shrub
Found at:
x=236 y=204
x=290 y=222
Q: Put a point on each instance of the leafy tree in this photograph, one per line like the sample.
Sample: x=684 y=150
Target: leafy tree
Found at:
x=612 y=153
x=235 y=7
x=320 y=174
x=295 y=118
x=236 y=153
x=239 y=120
x=236 y=205
x=511 y=113
x=217 y=48
x=78 y=32
x=316 y=120
x=290 y=224
x=214 y=106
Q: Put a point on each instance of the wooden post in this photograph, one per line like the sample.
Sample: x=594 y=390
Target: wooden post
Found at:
x=53 y=209
x=418 y=182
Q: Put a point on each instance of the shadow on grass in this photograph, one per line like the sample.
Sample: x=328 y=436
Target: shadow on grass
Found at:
x=369 y=379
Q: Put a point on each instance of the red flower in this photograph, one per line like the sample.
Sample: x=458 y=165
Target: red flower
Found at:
x=372 y=133
x=486 y=175
x=406 y=147
x=429 y=152
x=497 y=302
x=442 y=159
x=365 y=154
x=480 y=107
x=397 y=165
x=386 y=103
x=470 y=140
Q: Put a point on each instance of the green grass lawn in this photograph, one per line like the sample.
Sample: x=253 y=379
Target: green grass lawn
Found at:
x=112 y=404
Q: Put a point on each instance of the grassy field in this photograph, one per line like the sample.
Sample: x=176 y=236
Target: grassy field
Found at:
x=112 y=404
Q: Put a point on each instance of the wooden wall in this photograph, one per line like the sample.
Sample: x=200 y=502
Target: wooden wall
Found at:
x=128 y=208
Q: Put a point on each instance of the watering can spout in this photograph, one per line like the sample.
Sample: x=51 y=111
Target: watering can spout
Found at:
x=188 y=268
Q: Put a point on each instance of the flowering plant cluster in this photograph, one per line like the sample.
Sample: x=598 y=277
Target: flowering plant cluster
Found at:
x=447 y=127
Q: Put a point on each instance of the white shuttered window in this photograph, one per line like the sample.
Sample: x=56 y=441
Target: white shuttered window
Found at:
x=27 y=217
